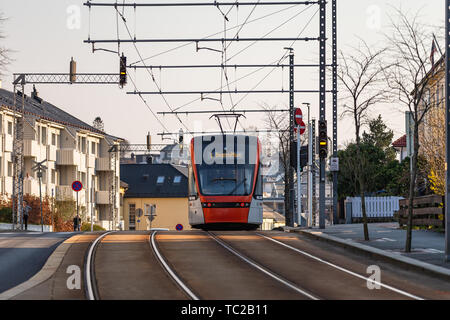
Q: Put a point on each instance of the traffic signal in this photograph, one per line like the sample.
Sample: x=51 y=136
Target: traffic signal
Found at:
x=180 y=136
x=303 y=156
x=323 y=139
x=123 y=70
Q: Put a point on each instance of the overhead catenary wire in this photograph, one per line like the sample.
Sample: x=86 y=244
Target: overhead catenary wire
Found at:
x=151 y=73
x=263 y=38
x=214 y=34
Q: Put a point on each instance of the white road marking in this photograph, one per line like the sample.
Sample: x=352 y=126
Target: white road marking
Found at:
x=273 y=275
x=169 y=270
x=343 y=269
x=88 y=266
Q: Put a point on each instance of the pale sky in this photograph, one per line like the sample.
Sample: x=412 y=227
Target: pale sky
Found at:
x=45 y=34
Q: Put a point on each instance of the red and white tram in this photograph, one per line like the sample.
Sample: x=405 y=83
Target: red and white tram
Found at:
x=225 y=182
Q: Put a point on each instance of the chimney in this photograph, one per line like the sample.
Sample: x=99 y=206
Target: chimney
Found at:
x=35 y=95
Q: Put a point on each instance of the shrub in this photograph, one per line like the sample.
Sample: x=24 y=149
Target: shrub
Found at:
x=6 y=215
x=86 y=226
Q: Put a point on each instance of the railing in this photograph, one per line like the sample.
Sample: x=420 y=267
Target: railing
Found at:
x=376 y=207
x=103 y=164
x=102 y=197
x=68 y=157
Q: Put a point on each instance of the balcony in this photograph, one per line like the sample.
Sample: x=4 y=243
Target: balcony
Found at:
x=31 y=187
x=51 y=153
x=30 y=148
x=68 y=157
x=103 y=164
x=7 y=143
x=102 y=197
x=90 y=161
x=65 y=193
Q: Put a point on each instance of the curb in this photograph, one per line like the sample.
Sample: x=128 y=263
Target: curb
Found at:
x=48 y=270
x=409 y=263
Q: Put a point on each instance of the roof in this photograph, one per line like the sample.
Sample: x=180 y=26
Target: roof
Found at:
x=400 y=142
x=46 y=111
x=142 y=181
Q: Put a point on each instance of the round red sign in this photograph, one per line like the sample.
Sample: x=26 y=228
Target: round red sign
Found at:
x=302 y=127
x=77 y=186
x=298 y=115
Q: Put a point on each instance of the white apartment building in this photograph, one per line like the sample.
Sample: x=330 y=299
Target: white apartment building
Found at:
x=74 y=151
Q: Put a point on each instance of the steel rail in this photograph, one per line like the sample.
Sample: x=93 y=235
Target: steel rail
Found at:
x=168 y=269
x=262 y=269
x=89 y=270
x=409 y=295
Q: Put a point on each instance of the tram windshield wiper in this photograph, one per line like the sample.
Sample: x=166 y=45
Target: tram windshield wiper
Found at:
x=223 y=179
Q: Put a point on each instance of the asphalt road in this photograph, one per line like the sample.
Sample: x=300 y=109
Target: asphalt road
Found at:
x=23 y=254
x=225 y=265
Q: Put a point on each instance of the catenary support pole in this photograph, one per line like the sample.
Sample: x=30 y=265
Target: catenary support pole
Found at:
x=335 y=113
x=447 y=127
x=322 y=105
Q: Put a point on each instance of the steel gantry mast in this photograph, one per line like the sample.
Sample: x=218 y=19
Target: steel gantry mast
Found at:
x=335 y=113
x=322 y=106
x=18 y=159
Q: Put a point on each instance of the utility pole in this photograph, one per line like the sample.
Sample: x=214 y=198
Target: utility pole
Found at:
x=313 y=173
x=290 y=210
x=322 y=106
x=447 y=127
x=39 y=166
x=335 y=113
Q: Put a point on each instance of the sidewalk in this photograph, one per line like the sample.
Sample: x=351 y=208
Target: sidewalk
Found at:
x=427 y=246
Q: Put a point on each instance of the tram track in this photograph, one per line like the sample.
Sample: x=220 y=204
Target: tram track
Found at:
x=169 y=270
x=344 y=270
x=263 y=269
x=89 y=269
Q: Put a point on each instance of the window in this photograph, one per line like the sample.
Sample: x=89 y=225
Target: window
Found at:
x=53 y=139
x=93 y=147
x=10 y=169
x=53 y=176
x=83 y=145
x=177 y=179
x=10 y=130
x=44 y=135
x=132 y=216
x=160 y=180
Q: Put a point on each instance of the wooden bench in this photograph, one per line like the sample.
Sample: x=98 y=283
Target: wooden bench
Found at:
x=427 y=211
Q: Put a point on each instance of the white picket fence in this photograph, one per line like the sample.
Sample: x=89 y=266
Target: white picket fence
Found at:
x=376 y=207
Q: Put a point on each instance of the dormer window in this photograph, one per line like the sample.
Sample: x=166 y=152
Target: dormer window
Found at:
x=160 y=180
x=177 y=179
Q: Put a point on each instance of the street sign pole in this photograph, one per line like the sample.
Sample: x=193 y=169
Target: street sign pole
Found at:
x=78 y=216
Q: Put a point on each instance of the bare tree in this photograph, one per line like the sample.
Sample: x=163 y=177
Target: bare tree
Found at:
x=409 y=47
x=279 y=123
x=4 y=52
x=361 y=74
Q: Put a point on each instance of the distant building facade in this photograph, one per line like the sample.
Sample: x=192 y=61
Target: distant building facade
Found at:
x=73 y=149
x=164 y=186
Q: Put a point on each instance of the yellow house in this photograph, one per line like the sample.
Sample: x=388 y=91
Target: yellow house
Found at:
x=161 y=186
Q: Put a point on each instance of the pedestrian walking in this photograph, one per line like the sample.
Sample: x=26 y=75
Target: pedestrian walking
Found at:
x=26 y=213
x=76 y=223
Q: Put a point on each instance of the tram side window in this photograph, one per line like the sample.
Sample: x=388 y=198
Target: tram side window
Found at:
x=259 y=185
x=192 y=187
x=132 y=216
